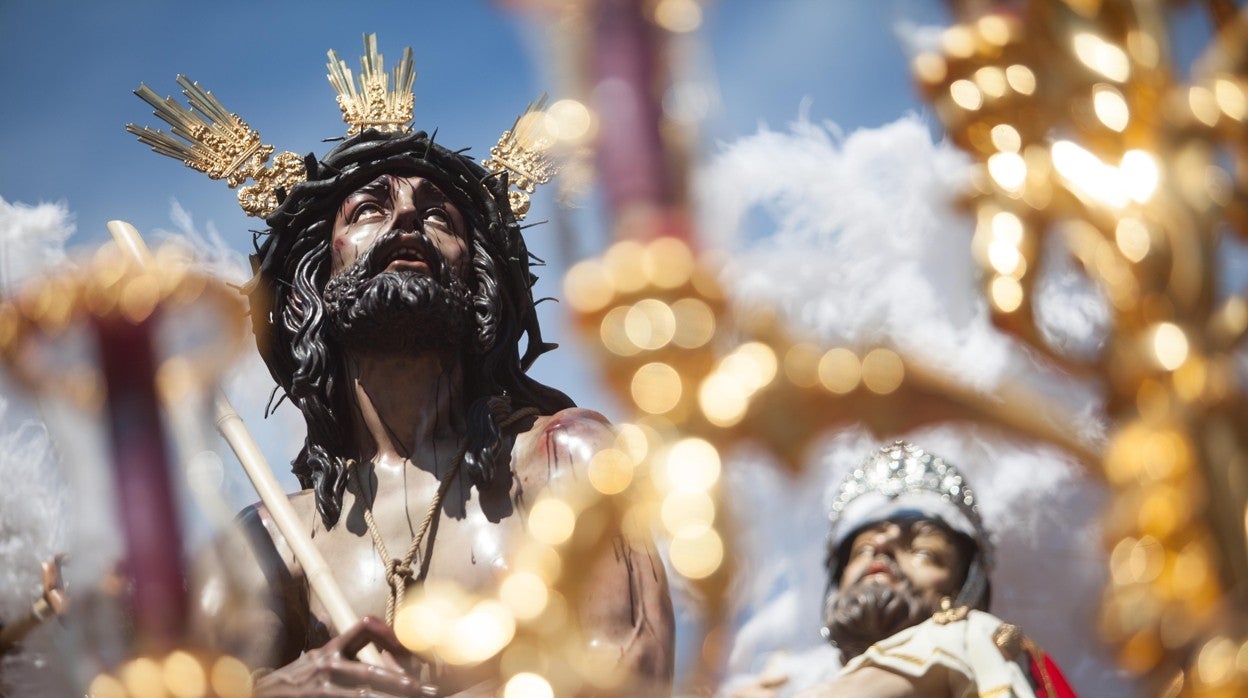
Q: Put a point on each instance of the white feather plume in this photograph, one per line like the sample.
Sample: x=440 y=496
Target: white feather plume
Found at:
x=34 y=511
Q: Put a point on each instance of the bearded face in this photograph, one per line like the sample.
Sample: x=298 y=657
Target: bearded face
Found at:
x=399 y=268
x=872 y=611
x=374 y=308
x=895 y=576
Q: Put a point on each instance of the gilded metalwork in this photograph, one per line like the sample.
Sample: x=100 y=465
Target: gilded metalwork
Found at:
x=522 y=152
x=374 y=104
x=209 y=139
x=1009 y=639
x=1081 y=132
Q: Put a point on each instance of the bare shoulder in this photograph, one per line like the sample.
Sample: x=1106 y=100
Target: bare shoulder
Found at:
x=560 y=445
x=248 y=597
x=261 y=531
x=303 y=502
x=626 y=607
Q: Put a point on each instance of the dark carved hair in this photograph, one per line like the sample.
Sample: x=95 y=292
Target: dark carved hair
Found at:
x=288 y=313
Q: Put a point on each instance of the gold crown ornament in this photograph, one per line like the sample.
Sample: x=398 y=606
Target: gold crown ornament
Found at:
x=523 y=152
x=374 y=105
x=221 y=145
x=210 y=139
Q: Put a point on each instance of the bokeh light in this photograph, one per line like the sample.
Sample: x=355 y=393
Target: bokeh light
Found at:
x=692 y=465
x=697 y=555
x=840 y=370
x=678 y=16
x=184 y=677
x=656 y=388
x=551 y=520
x=525 y=594
x=882 y=371
x=610 y=471
x=1170 y=346
x=1102 y=56
x=528 y=685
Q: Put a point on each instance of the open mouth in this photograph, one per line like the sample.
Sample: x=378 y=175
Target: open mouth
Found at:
x=879 y=570
x=408 y=253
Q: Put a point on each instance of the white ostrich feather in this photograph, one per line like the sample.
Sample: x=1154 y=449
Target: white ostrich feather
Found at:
x=34 y=506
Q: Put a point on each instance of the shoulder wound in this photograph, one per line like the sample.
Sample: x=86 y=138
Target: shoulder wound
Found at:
x=577 y=417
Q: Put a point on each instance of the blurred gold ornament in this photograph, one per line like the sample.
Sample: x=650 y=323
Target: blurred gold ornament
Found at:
x=179 y=674
x=703 y=380
x=1121 y=164
x=41 y=327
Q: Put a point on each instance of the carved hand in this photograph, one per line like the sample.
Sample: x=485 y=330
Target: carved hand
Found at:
x=332 y=671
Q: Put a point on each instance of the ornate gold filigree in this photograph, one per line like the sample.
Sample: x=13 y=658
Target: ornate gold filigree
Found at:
x=951 y=613
x=522 y=152
x=208 y=138
x=374 y=105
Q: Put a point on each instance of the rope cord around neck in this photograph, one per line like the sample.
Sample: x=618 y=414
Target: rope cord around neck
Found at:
x=399 y=570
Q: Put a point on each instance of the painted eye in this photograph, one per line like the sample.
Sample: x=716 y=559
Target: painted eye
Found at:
x=366 y=212
x=437 y=217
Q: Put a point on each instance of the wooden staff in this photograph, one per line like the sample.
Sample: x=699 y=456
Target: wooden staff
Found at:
x=230 y=425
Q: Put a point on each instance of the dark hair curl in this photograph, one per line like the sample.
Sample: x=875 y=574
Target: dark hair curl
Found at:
x=292 y=266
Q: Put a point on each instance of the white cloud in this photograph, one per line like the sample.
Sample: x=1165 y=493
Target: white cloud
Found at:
x=34 y=521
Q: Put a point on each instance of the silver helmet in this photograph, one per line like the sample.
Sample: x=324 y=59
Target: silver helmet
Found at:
x=902 y=479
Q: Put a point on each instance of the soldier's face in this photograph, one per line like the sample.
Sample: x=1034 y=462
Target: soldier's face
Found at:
x=409 y=205
x=918 y=551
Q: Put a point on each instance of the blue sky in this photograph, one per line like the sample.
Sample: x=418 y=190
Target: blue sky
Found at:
x=71 y=68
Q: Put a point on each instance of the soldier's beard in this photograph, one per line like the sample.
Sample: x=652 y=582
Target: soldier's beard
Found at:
x=870 y=611
x=398 y=312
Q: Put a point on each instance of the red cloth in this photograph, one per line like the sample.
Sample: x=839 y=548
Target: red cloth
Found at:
x=1047 y=677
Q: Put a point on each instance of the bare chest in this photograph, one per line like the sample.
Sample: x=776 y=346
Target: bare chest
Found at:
x=459 y=543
